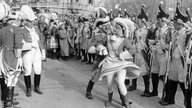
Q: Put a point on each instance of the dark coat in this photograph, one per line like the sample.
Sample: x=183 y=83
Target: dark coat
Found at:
x=10 y=40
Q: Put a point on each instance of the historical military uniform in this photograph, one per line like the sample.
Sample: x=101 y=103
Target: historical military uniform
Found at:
x=10 y=57
x=33 y=54
x=159 y=49
x=142 y=54
x=177 y=59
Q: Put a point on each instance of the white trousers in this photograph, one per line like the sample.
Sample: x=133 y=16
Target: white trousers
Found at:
x=31 y=59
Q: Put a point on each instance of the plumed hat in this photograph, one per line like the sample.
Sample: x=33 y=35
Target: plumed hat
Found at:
x=143 y=15
x=161 y=12
x=101 y=16
x=27 y=13
x=101 y=12
x=187 y=12
x=4 y=10
x=179 y=17
x=127 y=24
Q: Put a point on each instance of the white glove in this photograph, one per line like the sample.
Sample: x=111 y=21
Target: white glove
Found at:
x=121 y=57
x=43 y=54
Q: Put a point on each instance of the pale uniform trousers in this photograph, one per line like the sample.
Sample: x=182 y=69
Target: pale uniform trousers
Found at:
x=33 y=57
x=159 y=61
x=159 y=56
x=11 y=76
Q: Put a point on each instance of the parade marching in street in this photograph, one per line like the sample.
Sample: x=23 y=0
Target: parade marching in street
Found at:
x=119 y=47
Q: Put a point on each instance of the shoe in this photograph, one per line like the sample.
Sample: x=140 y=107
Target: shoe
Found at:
x=84 y=60
x=153 y=94
x=131 y=88
x=37 y=90
x=89 y=95
x=163 y=103
x=28 y=93
x=146 y=94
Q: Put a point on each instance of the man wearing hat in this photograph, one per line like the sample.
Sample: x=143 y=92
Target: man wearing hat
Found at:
x=161 y=43
x=102 y=18
x=142 y=54
x=11 y=49
x=34 y=52
x=177 y=64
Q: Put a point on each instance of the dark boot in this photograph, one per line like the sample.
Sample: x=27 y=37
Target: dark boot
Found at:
x=14 y=101
x=125 y=102
x=167 y=91
x=127 y=82
x=89 y=88
x=171 y=96
x=146 y=83
x=133 y=86
x=28 y=85
x=9 y=98
x=110 y=96
x=37 y=79
x=155 y=82
x=3 y=89
x=121 y=97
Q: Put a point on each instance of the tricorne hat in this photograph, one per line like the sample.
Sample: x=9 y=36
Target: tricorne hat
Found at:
x=128 y=25
x=179 y=17
x=143 y=15
x=27 y=13
x=161 y=12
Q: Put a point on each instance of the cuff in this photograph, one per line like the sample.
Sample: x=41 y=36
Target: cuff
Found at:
x=18 y=52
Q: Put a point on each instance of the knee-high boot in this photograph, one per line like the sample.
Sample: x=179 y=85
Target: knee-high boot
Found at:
x=121 y=97
x=187 y=95
x=37 y=79
x=3 y=89
x=146 y=83
x=125 y=102
x=171 y=95
x=133 y=86
x=155 y=82
x=89 y=89
x=28 y=85
x=110 y=97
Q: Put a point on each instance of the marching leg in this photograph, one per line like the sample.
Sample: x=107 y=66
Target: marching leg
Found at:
x=37 y=79
x=155 y=82
x=146 y=83
x=28 y=85
x=3 y=89
x=110 y=96
x=89 y=89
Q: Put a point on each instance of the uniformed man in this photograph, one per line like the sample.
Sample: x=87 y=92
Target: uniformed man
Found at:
x=10 y=55
x=102 y=19
x=161 y=43
x=142 y=55
x=176 y=74
x=34 y=52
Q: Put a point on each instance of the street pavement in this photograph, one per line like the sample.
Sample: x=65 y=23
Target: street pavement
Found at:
x=64 y=84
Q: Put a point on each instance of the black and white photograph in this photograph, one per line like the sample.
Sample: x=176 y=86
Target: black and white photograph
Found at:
x=96 y=53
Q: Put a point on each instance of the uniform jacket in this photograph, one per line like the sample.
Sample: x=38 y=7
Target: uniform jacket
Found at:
x=27 y=38
x=163 y=37
x=10 y=40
